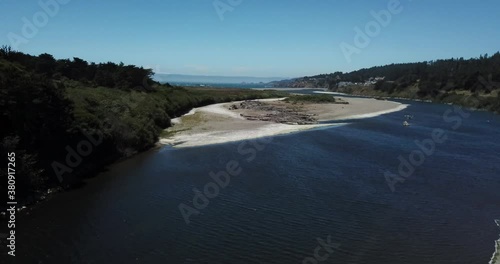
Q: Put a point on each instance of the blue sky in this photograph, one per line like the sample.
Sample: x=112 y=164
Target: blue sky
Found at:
x=284 y=38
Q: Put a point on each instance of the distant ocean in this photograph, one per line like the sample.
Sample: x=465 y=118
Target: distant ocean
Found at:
x=216 y=81
x=223 y=85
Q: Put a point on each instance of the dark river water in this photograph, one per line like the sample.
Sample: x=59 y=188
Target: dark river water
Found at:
x=293 y=194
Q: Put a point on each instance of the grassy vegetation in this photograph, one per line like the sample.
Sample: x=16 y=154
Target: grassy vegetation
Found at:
x=317 y=99
x=170 y=133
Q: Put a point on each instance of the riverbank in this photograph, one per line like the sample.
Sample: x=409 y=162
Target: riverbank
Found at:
x=481 y=100
x=215 y=124
x=496 y=256
x=121 y=122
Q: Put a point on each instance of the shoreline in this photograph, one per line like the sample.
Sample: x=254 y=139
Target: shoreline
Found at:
x=216 y=124
x=422 y=100
x=495 y=259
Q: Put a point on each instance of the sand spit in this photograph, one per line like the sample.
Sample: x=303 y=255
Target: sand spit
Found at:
x=215 y=124
x=496 y=256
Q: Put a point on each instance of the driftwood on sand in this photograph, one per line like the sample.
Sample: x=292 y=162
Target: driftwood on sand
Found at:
x=274 y=113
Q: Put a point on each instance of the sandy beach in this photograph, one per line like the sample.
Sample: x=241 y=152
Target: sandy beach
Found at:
x=216 y=124
x=496 y=256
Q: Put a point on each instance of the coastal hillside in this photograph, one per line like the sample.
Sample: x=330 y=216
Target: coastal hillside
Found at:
x=52 y=109
x=474 y=82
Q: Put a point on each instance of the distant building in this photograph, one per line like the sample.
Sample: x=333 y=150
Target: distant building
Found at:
x=373 y=80
x=344 y=84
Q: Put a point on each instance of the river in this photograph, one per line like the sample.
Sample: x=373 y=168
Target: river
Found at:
x=293 y=194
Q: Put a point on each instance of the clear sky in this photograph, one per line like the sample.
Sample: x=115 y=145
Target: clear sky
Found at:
x=284 y=38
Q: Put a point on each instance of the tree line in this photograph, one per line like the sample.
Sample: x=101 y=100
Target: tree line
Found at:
x=107 y=74
x=50 y=107
x=447 y=80
x=433 y=77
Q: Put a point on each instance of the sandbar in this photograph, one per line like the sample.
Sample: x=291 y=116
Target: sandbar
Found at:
x=215 y=124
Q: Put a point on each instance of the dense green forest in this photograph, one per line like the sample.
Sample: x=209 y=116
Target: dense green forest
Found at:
x=55 y=108
x=450 y=81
